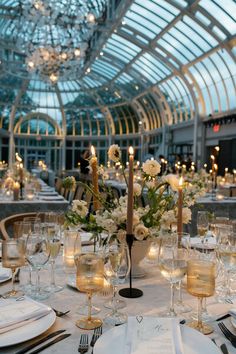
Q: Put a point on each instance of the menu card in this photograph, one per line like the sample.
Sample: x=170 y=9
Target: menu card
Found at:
x=152 y=335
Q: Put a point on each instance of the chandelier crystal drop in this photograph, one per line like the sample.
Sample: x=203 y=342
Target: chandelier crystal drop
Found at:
x=56 y=34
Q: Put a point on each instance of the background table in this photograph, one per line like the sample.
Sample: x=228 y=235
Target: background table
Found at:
x=156 y=296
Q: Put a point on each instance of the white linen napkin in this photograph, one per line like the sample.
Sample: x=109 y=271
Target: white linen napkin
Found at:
x=232 y=312
x=151 y=335
x=14 y=314
x=5 y=274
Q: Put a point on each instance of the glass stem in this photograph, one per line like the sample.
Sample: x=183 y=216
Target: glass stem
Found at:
x=53 y=272
x=13 y=270
x=228 y=283
x=89 y=306
x=172 y=310
x=37 y=281
x=30 y=276
x=199 y=313
x=180 y=293
x=113 y=300
x=204 y=309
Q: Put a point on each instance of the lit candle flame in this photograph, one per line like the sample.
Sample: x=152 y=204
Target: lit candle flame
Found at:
x=213 y=157
x=215 y=166
x=181 y=181
x=131 y=150
x=93 y=150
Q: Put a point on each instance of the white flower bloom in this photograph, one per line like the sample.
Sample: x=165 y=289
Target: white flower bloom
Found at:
x=114 y=153
x=168 y=218
x=137 y=189
x=136 y=218
x=187 y=215
x=141 y=232
x=80 y=207
x=123 y=201
x=172 y=180
x=151 y=167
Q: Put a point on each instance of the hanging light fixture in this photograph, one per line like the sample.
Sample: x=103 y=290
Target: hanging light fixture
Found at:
x=54 y=35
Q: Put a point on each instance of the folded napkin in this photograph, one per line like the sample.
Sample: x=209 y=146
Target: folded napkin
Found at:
x=14 y=314
x=5 y=274
x=151 y=335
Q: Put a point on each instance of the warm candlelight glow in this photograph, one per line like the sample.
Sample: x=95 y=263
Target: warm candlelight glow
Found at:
x=215 y=166
x=93 y=152
x=181 y=181
x=226 y=169
x=205 y=165
x=131 y=150
x=212 y=157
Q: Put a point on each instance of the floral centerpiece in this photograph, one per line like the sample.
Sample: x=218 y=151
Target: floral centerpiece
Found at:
x=155 y=205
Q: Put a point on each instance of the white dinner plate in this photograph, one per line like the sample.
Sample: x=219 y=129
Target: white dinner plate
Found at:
x=47 y=193
x=51 y=198
x=27 y=332
x=5 y=274
x=193 y=342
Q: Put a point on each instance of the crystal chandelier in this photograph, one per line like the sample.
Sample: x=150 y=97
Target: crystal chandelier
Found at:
x=56 y=33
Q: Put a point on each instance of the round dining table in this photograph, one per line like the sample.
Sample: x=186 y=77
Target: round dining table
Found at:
x=156 y=295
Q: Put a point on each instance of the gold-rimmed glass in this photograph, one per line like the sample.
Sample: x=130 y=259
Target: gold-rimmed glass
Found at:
x=201 y=273
x=89 y=279
x=13 y=257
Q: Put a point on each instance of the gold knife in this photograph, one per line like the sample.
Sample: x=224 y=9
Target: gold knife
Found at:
x=40 y=341
x=58 y=339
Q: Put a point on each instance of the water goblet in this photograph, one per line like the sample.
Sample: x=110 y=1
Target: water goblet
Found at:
x=53 y=238
x=116 y=269
x=173 y=267
x=202 y=224
x=89 y=279
x=13 y=257
x=37 y=254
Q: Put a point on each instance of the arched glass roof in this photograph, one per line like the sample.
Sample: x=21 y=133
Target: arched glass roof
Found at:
x=158 y=61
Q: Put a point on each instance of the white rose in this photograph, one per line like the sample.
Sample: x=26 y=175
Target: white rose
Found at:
x=80 y=207
x=123 y=201
x=172 y=180
x=114 y=153
x=141 y=232
x=135 y=218
x=151 y=167
x=168 y=218
x=187 y=215
x=137 y=189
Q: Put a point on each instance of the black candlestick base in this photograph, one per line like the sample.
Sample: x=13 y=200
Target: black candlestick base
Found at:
x=130 y=293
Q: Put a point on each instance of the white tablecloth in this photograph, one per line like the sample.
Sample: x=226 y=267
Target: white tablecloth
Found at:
x=156 y=294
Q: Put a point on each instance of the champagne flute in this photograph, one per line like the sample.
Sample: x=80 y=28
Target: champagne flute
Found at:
x=200 y=283
x=173 y=267
x=89 y=279
x=116 y=269
x=202 y=224
x=13 y=257
x=53 y=238
x=37 y=254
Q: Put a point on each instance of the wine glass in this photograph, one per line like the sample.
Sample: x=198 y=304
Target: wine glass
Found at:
x=13 y=256
x=200 y=283
x=37 y=254
x=226 y=251
x=173 y=266
x=116 y=269
x=53 y=238
x=202 y=224
x=89 y=279
x=183 y=253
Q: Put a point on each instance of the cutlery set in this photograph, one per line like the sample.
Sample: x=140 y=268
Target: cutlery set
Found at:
x=84 y=343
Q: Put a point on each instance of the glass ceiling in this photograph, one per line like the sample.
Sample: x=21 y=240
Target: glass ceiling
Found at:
x=184 y=49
